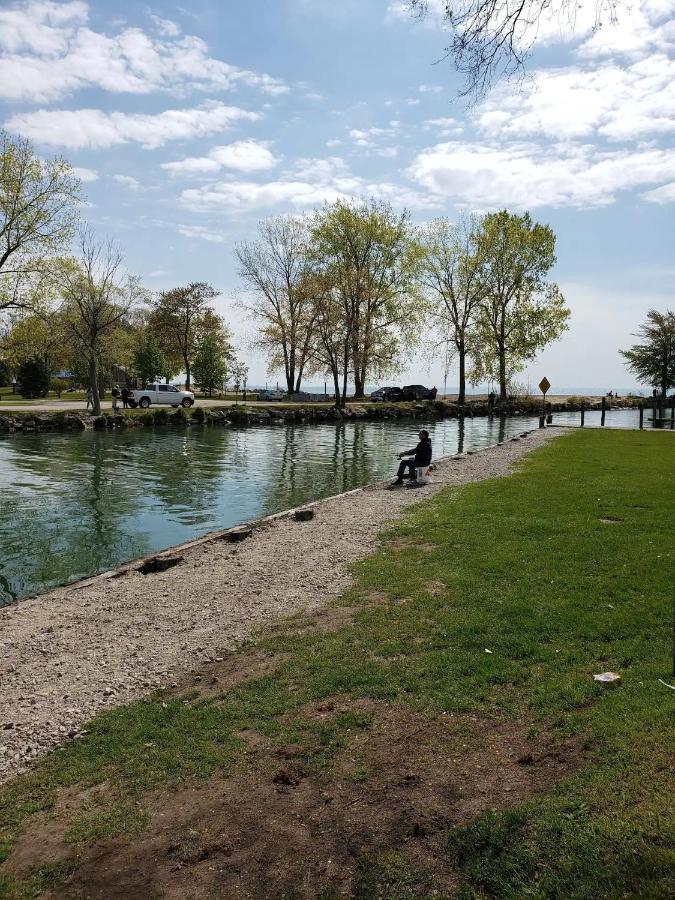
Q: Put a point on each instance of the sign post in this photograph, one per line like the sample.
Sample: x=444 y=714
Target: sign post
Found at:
x=544 y=386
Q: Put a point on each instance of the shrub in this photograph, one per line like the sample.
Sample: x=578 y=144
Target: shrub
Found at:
x=33 y=378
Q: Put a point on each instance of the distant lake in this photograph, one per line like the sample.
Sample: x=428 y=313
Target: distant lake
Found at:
x=72 y=505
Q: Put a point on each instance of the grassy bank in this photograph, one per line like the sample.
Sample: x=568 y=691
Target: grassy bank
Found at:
x=437 y=734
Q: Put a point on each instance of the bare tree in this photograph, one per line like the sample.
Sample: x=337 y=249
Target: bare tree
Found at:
x=275 y=268
x=494 y=38
x=97 y=295
x=38 y=202
x=451 y=269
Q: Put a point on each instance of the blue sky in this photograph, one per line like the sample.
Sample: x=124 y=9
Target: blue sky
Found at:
x=191 y=122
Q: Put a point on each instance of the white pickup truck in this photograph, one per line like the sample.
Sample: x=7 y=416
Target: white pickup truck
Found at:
x=164 y=394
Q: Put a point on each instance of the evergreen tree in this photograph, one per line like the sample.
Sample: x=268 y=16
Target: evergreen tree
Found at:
x=33 y=378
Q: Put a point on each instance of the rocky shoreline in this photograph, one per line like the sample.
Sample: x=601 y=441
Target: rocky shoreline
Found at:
x=273 y=414
x=96 y=644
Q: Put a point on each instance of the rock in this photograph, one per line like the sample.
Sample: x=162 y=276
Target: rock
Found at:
x=234 y=535
x=159 y=564
x=304 y=515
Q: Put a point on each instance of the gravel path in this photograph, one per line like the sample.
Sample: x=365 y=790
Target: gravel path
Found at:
x=67 y=654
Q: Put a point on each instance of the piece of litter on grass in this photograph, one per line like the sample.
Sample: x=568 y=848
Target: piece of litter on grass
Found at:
x=607 y=677
x=610 y=606
x=488 y=651
x=671 y=686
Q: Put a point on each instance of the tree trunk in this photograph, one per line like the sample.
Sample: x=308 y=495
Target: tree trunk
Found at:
x=298 y=381
x=461 y=396
x=336 y=386
x=187 y=373
x=93 y=384
x=502 y=374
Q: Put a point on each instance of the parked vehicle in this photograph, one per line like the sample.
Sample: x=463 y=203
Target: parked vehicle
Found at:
x=417 y=392
x=161 y=394
x=271 y=395
x=387 y=394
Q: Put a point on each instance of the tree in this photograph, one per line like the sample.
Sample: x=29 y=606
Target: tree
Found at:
x=149 y=362
x=520 y=312
x=367 y=254
x=275 y=269
x=240 y=374
x=38 y=335
x=97 y=295
x=212 y=362
x=58 y=385
x=493 y=38
x=452 y=268
x=181 y=318
x=653 y=360
x=4 y=373
x=333 y=346
x=38 y=202
x=33 y=378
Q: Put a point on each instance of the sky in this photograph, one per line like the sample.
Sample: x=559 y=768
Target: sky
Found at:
x=190 y=123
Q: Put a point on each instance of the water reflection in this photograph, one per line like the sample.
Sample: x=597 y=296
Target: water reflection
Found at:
x=72 y=505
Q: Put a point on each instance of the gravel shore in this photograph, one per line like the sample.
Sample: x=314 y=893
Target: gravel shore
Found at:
x=74 y=651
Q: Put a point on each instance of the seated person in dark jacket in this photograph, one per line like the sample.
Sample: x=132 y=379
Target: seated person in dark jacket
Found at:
x=421 y=458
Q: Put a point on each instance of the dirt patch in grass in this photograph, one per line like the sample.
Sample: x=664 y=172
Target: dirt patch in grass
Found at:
x=408 y=543
x=359 y=787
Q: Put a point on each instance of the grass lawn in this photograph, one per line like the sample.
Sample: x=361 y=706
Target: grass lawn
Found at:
x=381 y=746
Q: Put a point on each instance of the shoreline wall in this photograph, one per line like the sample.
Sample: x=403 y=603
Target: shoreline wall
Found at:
x=271 y=414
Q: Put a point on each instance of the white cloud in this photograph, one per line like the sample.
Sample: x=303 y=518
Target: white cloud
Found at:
x=246 y=156
x=128 y=181
x=166 y=27
x=614 y=101
x=485 y=176
x=93 y=128
x=368 y=139
x=429 y=89
x=200 y=232
x=85 y=174
x=309 y=183
x=48 y=52
x=661 y=195
x=445 y=126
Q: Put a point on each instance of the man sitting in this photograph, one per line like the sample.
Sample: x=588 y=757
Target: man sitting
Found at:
x=421 y=459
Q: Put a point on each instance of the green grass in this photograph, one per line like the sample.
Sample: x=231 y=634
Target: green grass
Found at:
x=531 y=572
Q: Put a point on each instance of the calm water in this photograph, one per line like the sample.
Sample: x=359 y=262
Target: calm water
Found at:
x=73 y=505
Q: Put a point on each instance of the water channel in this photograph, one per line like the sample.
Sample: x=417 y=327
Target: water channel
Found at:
x=72 y=505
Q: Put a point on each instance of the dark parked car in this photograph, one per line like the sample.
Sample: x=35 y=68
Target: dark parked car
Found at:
x=417 y=392
x=388 y=394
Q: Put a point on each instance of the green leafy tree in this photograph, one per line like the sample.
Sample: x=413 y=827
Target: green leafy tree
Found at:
x=38 y=335
x=652 y=361
x=5 y=373
x=181 y=318
x=58 y=385
x=149 y=362
x=212 y=362
x=33 y=378
x=369 y=255
x=38 y=209
x=451 y=271
x=520 y=312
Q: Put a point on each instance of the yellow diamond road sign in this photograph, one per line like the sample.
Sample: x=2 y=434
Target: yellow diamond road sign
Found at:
x=544 y=385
